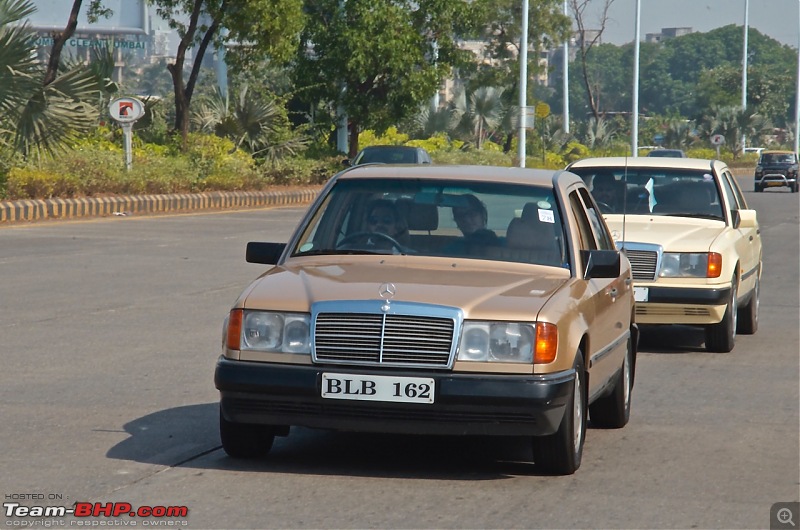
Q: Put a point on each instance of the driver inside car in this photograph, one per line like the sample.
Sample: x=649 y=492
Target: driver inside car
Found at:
x=383 y=218
x=605 y=190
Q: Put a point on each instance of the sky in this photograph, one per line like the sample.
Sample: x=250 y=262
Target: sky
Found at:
x=778 y=19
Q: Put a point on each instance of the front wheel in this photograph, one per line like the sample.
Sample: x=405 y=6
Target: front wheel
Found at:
x=721 y=337
x=243 y=440
x=748 y=315
x=758 y=188
x=560 y=453
x=614 y=410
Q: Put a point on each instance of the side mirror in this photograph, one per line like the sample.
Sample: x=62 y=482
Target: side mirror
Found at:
x=744 y=218
x=346 y=162
x=601 y=263
x=265 y=253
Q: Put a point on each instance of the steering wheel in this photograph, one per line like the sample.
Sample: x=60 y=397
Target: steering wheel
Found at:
x=365 y=237
x=604 y=207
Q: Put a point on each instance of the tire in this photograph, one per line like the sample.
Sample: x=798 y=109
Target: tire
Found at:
x=560 y=453
x=721 y=337
x=614 y=410
x=747 y=320
x=242 y=440
x=758 y=189
x=793 y=187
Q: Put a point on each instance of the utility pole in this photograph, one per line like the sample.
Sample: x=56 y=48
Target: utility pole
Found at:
x=523 y=84
x=744 y=67
x=566 y=78
x=635 y=127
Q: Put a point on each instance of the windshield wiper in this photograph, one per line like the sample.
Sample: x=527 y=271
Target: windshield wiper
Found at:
x=340 y=251
x=695 y=215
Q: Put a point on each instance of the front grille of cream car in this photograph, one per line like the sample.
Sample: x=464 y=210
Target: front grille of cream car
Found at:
x=667 y=311
x=644 y=260
x=386 y=338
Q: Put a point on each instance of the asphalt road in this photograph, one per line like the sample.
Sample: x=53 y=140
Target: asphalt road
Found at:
x=110 y=330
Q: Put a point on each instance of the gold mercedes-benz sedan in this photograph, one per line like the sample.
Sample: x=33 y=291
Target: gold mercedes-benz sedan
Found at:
x=435 y=300
x=694 y=244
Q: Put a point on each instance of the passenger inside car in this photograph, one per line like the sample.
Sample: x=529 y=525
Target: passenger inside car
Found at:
x=472 y=218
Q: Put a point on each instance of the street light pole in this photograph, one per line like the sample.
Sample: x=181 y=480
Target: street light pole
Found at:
x=635 y=127
x=744 y=67
x=523 y=83
x=566 y=77
x=797 y=95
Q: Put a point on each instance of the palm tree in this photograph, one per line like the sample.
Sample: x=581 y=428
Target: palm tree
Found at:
x=479 y=113
x=258 y=126
x=43 y=118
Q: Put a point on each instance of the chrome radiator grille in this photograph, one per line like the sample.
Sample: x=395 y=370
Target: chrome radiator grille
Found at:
x=643 y=263
x=391 y=339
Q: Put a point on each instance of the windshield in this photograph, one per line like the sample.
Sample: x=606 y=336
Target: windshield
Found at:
x=474 y=220
x=777 y=158
x=654 y=191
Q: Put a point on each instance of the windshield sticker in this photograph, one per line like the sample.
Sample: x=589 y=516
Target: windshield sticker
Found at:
x=546 y=216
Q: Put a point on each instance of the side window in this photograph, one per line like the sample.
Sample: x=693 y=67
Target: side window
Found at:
x=727 y=189
x=730 y=180
x=584 y=229
x=604 y=241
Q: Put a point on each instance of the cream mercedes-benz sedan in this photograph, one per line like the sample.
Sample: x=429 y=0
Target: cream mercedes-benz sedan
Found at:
x=435 y=300
x=694 y=245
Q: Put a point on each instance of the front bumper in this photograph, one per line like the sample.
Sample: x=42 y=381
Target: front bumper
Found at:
x=469 y=404
x=775 y=179
x=683 y=305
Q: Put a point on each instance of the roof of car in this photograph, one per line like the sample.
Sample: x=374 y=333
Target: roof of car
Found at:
x=512 y=175
x=394 y=147
x=647 y=162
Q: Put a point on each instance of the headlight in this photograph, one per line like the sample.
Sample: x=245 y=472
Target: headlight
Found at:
x=510 y=342
x=691 y=265
x=759 y=169
x=269 y=331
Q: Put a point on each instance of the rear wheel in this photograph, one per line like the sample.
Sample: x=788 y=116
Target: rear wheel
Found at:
x=243 y=440
x=721 y=337
x=748 y=315
x=614 y=410
x=560 y=453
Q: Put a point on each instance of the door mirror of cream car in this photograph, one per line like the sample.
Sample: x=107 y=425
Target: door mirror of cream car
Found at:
x=265 y=253
x=745 y=219
x=601 y=263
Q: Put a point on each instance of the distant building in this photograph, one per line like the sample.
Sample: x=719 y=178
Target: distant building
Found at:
x=667 y=33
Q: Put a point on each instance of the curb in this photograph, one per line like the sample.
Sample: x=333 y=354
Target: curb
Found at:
x=42 y=209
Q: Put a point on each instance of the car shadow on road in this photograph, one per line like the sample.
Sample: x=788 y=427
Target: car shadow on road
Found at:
x=673 y=339
x=188 y=437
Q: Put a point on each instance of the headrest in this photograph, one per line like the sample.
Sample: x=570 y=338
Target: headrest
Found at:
x=419 y=216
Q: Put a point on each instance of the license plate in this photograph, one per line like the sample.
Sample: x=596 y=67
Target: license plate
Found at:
x=641 y=294
x=378 y=388
x=774 y=183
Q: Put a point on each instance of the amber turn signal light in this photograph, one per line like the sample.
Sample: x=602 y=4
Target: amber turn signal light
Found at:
x=546 y=343
x=233 y=341
x=714 y=265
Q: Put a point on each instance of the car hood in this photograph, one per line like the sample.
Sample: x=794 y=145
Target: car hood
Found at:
x=480 y=289
x=674 y=234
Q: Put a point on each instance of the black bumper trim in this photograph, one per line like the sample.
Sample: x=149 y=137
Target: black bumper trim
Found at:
x=688 y=296
x=474 y=404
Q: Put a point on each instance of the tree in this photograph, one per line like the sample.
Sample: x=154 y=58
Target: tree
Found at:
x=95 y=11
x=379 y=60
x=261 y=30
x=37 y=116
x=260 y=126
x=587 y=39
